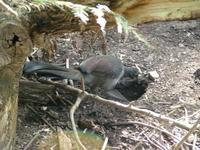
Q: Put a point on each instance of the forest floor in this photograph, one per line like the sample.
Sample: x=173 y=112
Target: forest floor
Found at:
x=174 y=54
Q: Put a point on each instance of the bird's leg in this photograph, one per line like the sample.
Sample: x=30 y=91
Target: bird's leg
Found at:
x=82 y=83
x=114 y=93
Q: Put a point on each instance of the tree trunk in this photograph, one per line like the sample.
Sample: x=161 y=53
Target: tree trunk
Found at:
x=15 y=45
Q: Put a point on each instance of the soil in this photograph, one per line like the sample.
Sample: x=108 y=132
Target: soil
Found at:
x=173 y=51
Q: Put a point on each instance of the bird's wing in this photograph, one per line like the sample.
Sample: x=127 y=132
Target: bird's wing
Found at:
x=115 y=94
x=107 y=66
x=32 y=66
x=70 y=74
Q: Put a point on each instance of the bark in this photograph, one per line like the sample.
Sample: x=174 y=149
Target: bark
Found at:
x=15 y=45
x=47 y=20
x=56 y=19
x=37 y=93
x=141 y=11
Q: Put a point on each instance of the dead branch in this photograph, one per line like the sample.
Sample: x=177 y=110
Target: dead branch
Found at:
x=8 y=9
x=32 y=140
x=80 y=97
x=124 y=107
x=163 y=130
x=194 y=141
x=45 y=121
x=156 y=144
x=37 y=93
x=129 y=108
x=29 y=91
x=105 y=144
x=187 y=135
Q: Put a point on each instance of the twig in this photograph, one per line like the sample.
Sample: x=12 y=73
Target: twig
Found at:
x=147 y=125
x=64 y=101
x=190 y=116
x=51 y=99
x=8 y=8
x=80 y=97
x=150 y=126
x=82 y=83
x=186 y=114
x=32 y=140
x=153 y=143
x=125 y=107
x=105 y=144
x=187 y=135
x=161 y=146
x=194 y=142
x=45 y=121
x=52 y=148
x=137 y=145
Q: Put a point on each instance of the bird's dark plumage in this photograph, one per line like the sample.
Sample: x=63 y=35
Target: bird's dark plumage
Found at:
x=97 y=71
x=102 y=71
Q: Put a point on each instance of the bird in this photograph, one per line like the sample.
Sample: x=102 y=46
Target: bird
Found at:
x=102 y=72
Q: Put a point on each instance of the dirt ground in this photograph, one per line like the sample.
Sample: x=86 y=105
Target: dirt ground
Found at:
x=174 y=54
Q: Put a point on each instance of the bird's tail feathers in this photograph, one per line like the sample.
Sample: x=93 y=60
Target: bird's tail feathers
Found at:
x=51 y=70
